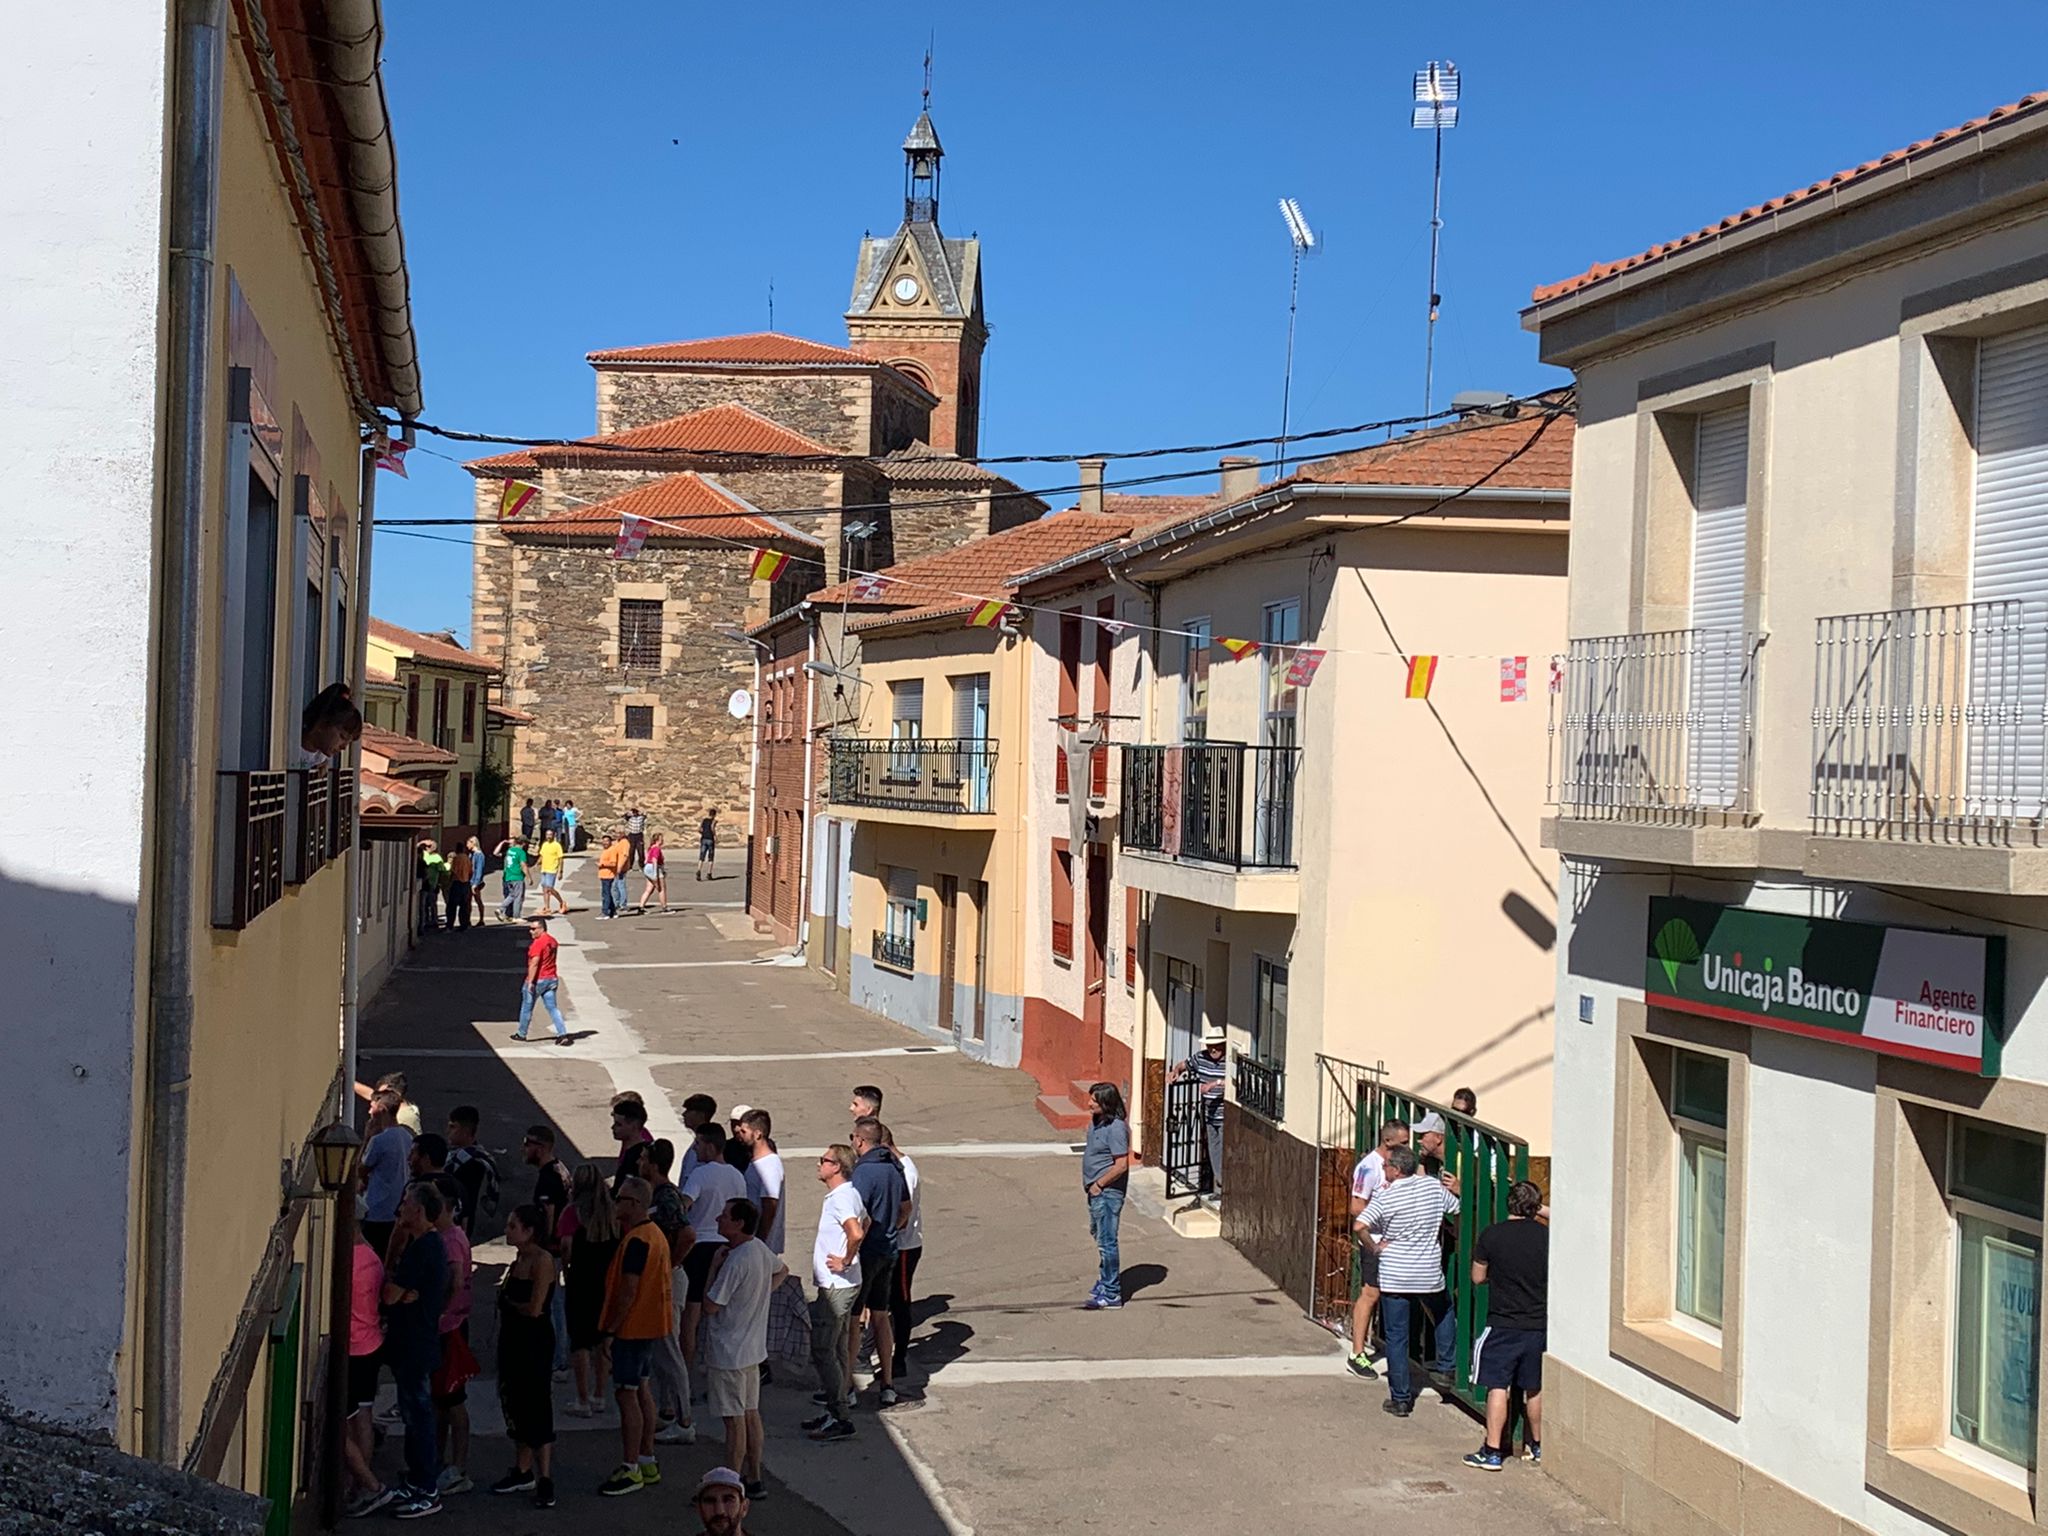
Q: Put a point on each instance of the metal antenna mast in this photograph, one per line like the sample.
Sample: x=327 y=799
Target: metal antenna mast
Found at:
x=1436 y=108
x=1304 y=241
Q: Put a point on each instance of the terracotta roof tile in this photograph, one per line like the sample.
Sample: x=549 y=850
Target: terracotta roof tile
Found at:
x=983 y=568
x=699 y=508
x=1600 y=271
x=394 y=747
x=1458 y=454
x=722 y=430
x=1158 y=511
x=397 y=794
x=510 y=712
x=758 y=348
x=920 y=464
x=431 y=648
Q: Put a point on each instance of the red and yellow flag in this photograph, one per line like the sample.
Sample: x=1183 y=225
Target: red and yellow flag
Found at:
x=1421 y=673
x=516 y=497
x=1236 y=649
x=768 y=564
x=988 y=615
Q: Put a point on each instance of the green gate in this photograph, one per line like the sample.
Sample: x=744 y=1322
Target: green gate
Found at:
x=1487 y=1161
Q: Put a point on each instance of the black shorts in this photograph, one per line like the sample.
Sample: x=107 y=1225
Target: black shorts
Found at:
x=1509 y=1357
x=697 y=1267
x=877 y=1287
x=363 y=1371
x=1368 y=1264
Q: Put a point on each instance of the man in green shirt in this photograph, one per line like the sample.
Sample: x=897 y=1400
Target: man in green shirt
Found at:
x=433 y=874
x=513 y=908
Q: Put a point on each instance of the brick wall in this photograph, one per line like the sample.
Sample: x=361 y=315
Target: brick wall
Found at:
x=953 y=367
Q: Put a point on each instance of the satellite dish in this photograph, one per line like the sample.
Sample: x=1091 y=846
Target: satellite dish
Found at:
x=740 y=705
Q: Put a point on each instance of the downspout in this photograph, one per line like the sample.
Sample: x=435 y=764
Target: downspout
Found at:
x=803 y=867
x=359 y=685
x=199 y=45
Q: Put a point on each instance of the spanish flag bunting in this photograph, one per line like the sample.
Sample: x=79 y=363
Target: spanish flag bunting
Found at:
x=869 y=588
x=1237 y=650
x=391 y=456
x=989 y=614
x=1302 y=670
x=516 y=497
x=768 y=564
x=1421 y=673
x=633 y=533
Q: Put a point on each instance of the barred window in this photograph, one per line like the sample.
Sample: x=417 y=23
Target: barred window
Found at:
x=639 y=634
x=639 y=722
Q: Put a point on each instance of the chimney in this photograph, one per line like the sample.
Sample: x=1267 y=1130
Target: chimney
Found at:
x=1240 y=477
x=1091 y=484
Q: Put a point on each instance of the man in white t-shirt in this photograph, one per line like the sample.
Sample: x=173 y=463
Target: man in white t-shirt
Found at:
x=736 y=1336
x=764 y=1175
x=835 y=1266
x=1367 y=1179
x=711 y=1185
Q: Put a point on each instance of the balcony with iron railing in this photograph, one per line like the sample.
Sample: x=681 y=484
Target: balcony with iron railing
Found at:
x=1260 y=1086
x=1652 y=748
x=914 y=778
x=897 y=952
x=249 y=845
x=1203 y=816
x=1930 y=747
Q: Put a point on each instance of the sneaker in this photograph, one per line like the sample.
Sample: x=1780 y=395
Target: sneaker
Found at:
x=756 y=1492
x=1361 y=1365
x=1486 y=1459
x=1532 y=1452
x=544 y=1493
x=417 y=1506
x=817 y=1422
x=390 y=1416
x=887 y=1398
x=516 y=1036
x=837 y=1429
x=515 y=1481
x=650 y=1473
x=369 y=1503
x=1397 y=1408
x=676 y=1432
x=622 y=1482
x=453 y=1480
x=1101 y=1303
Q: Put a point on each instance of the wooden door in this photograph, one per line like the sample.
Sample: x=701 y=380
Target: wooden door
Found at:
x=1096 y=965
x=949 y=947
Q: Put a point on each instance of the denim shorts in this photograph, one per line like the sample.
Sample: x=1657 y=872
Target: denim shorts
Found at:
x=632 y=1361
x=547 y=882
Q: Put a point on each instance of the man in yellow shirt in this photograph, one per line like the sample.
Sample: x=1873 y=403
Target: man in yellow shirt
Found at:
x=551 y=876
x=613 y=866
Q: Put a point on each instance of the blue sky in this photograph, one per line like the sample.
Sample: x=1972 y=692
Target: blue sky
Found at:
x=578 y=177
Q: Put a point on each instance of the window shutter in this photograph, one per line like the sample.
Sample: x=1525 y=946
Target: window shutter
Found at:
x=1720 y=543
x=2009 y=560
x=1105 y=651
x=1062 y=900
x=970 y=707
x=1070 y=686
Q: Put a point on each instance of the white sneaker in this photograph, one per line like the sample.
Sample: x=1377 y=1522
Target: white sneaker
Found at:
x=453 y=1480
x=676 y=1432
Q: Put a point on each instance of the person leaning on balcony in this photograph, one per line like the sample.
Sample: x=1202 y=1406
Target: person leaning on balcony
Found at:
x=1207 y=1066
x=328 y=726
x=1405 y=1219
x=1512 y=1259
x=1367 y=1180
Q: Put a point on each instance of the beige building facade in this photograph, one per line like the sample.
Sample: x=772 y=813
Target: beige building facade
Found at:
x=1798 y=792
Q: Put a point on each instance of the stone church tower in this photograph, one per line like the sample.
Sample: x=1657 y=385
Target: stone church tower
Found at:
x=917 y=301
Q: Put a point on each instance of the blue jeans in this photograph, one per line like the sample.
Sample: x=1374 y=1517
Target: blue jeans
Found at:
x=416 y=1407
x=514 y=904
x=1396 y=1315
x=610 y=899
x=1104 y=1212
x=543 y=992
x=558 y=1310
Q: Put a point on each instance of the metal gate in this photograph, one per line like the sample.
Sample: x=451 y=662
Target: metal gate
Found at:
x=1486 y=1159
x=1185 y=1156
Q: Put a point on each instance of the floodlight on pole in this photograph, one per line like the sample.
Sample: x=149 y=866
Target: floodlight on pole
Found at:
x=1436 y=108
x=1305 y=243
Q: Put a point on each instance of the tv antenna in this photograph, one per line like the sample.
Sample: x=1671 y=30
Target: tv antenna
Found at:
x=1436 y=108
x=1304 y=242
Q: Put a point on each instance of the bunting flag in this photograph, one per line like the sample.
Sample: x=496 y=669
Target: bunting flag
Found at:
x=768 y=564
x=516 y=497
x=1114 y=626
x=633 y=533
x=1557 y=674
x=869 y=588
x=1302 y=670
x=1514 y=679
x=1236 y=649
x=990 y=614
x=391 y=456
x=1421 y=673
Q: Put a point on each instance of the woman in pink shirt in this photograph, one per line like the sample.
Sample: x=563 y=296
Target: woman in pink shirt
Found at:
x=365 y=1358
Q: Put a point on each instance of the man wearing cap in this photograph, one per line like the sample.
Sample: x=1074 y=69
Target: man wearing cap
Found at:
x=1207 y=1066
x=1429 y=1143
x=721 y=1502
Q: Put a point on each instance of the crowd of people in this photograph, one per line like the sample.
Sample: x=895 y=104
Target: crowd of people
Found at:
x=630 y=1281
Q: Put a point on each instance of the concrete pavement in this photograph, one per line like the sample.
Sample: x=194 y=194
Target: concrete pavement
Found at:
x=1207 y=1404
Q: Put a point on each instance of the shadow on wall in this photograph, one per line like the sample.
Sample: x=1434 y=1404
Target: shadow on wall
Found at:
x=71 y=1081
x=1609 y=918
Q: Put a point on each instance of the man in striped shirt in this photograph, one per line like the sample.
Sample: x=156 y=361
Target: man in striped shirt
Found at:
x=1404 y=1218
x=1207 y=1066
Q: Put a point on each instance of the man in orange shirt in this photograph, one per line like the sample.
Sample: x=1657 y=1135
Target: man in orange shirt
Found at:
x=612 y=866
x=636 y=1316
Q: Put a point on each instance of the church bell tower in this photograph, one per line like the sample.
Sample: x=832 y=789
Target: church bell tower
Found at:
x=917 y=300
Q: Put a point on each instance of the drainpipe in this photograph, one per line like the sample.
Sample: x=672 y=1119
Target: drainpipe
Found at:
x=359 y=684
x=198 y=45
x=803 y=866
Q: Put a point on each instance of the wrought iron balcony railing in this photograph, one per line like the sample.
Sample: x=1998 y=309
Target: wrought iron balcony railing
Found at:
x=1211 y=802
x=310 y=830
x=249 y=844
x=1261 y=1085
x=1656 y=727
x=952 y=775
x=897 y=953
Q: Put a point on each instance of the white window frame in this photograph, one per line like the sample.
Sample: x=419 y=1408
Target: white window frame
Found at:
x=1264 y=967
x=1976 y=1456
x=1683 y=1126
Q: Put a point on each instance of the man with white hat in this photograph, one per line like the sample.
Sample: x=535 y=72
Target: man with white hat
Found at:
x=1207 y=1066
x=721 y=1502
x=1429 y=1143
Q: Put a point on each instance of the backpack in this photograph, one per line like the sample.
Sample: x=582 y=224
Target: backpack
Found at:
x=459 y=1162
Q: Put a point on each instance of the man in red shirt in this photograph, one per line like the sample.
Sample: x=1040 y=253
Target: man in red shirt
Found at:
x=542 y=982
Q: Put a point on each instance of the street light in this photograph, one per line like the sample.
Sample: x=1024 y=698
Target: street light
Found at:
x=1436 y=108
x=335 y=1149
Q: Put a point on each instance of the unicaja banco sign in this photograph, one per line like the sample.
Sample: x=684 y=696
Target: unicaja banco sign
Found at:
x=1932 y=997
